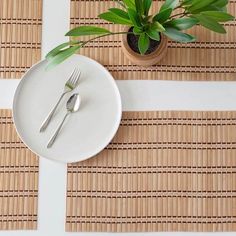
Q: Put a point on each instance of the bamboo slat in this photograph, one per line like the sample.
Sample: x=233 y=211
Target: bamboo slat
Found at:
x=163 y=171
x=20 y=36
x=212 y=57
x=18 y=179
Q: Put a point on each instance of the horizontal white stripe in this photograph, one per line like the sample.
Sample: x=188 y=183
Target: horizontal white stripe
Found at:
x=176 y=95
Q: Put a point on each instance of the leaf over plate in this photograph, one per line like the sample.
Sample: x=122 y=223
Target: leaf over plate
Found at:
x=62 y=56
x=56 y=50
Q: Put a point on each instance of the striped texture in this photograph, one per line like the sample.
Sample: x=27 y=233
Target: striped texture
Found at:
x=18 y=179
x=212 y=57
x=163 y=171
x=20 y=36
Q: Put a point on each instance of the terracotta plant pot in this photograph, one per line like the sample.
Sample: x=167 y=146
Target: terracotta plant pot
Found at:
x=148 y=59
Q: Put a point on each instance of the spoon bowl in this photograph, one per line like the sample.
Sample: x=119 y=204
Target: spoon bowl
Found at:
x=72 y=106
x=73 y=103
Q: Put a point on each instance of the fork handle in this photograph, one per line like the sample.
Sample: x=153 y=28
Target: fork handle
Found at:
x=53 y=138
x=50 y=115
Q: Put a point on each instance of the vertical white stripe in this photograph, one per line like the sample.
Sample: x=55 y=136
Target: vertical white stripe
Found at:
x=56 y=22
x=52 y=176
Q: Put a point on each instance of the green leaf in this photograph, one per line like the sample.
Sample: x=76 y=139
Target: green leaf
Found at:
x=159 y=27
x=163 y=16
x=207 y=8
x=146 y=6
x=120 y=13
x=56 y=50
x=111 y=17
x=143 y=43
x=153 y=34
x=186 y=2
x=134 y=17
x=224 y=9
x=169 y=4
x=62 y=56
x=211 y=24
x=218 y=16
x=137 y=30
x=87 y=30
x=199 y=4
x=130 y=4
x=182 y=23
x=179 y=36
x=139 y=6
x=221 y=3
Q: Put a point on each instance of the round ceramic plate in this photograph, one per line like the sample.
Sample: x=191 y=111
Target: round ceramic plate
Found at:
x=86 y=132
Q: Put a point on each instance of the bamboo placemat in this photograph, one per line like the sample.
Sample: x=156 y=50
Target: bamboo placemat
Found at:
x=20 y=36
x=18 y=179
x=164 y=171
x=212 y=57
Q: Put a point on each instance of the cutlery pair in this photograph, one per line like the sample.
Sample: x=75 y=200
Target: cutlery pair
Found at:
x=72 y=105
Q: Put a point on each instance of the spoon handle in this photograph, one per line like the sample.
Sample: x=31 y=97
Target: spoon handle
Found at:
x=50 y=115
x=53 y=138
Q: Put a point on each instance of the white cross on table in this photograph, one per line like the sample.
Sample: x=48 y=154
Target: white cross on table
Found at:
x=136 y=95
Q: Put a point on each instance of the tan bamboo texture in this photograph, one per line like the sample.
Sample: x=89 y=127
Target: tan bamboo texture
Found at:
x=20 y=36
x=212 y=57
x=163 y=171
x=18 y=179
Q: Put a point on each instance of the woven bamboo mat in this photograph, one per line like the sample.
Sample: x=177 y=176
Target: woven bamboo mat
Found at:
x=20 y=36
x=213 y=57
x=164 y=171
x=18 y=179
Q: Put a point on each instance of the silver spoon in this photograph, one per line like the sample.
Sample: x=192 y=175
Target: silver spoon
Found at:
x=72 y=106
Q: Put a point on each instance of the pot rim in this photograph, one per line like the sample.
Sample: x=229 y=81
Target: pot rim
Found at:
x=159 y=50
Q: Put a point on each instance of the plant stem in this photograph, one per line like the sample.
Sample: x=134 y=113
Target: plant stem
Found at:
x=100 y=36
x=179 y=14
x=178 y=7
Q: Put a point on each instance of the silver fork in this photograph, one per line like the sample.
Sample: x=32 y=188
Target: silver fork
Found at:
x=70 y=85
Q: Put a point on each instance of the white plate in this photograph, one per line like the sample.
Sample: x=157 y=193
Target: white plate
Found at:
x=86 y=132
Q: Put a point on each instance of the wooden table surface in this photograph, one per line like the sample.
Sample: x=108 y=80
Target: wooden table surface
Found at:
x=136 y=95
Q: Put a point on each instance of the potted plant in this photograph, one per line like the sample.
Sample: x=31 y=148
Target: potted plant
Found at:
x=145 y=35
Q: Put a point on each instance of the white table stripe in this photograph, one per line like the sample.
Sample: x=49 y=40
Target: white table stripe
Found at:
x=52 y=176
